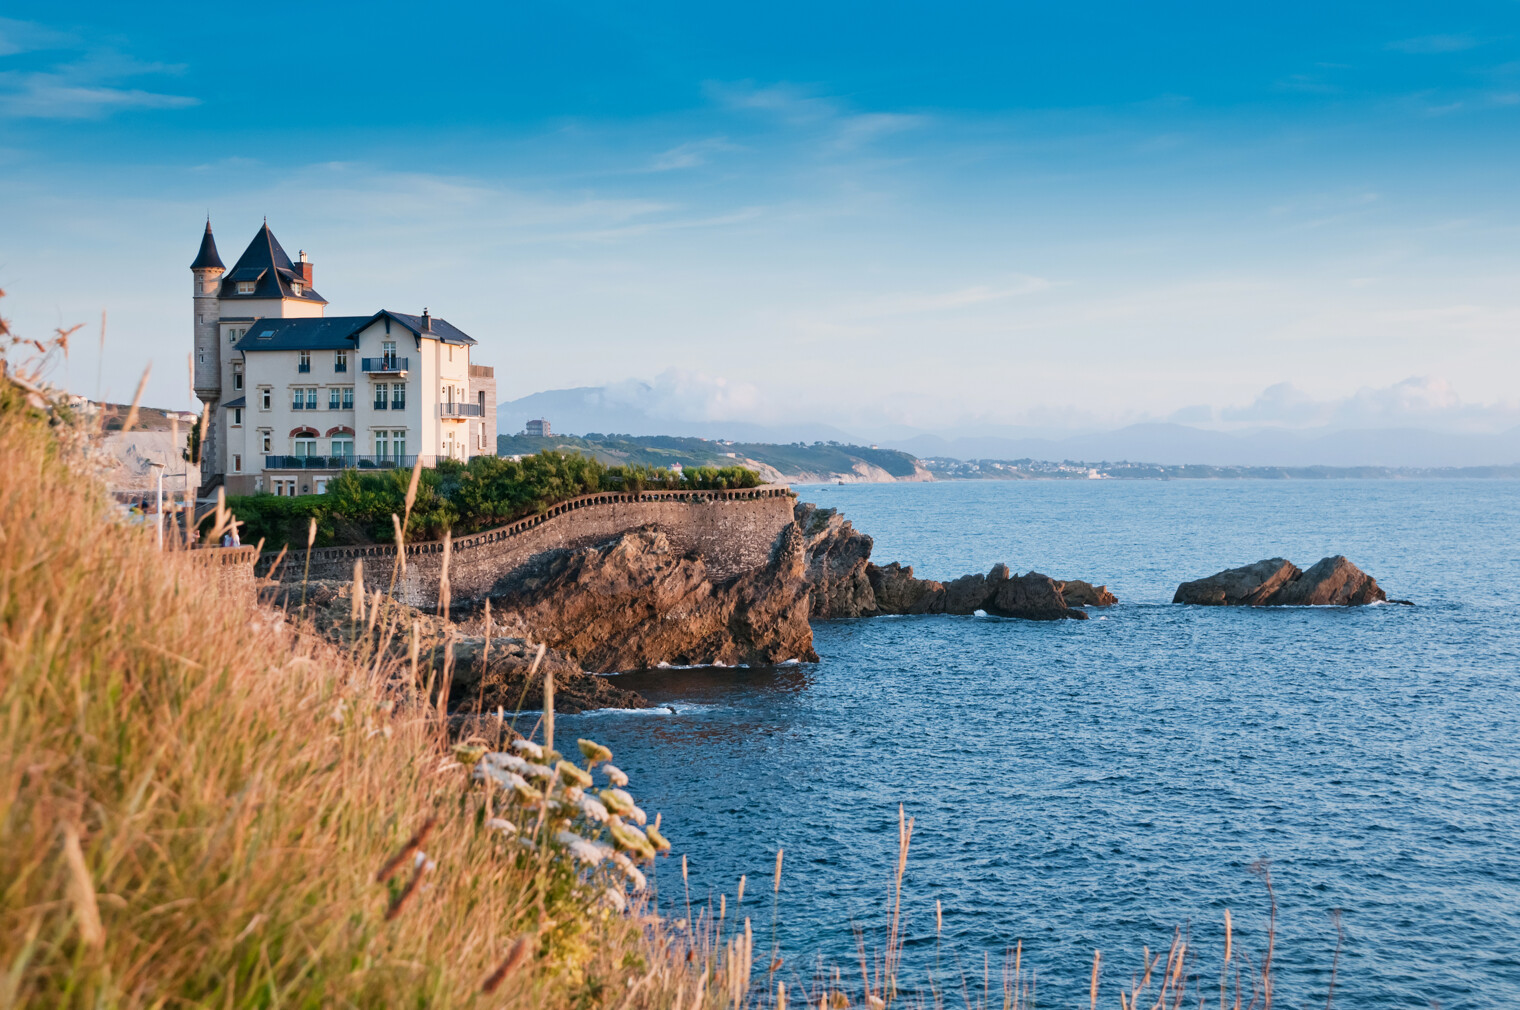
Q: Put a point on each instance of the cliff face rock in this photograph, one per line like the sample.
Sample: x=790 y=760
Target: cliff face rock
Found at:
x=477 y=677
x=1277 y=582
x=501 y=678
x=635 y=602
x=837 y=554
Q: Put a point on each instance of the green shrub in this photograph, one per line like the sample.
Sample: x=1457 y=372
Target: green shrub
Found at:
x=464 y=497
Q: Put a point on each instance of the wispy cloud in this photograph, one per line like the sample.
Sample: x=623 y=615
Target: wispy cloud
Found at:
x=1418 y=401
x=28 y=36
x=692 y=154
x=800 y=107
x=93 y=83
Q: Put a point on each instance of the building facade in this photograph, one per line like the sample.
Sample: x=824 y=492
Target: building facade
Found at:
x=296 y=396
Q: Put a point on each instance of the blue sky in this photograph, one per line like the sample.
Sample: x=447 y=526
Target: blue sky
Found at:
x=882 y=216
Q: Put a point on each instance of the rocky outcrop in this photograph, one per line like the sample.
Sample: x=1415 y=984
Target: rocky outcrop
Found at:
x=1247 y=586
x=1077 y=593
x=1277 y=582
x=1001 y=593
x=455 y=653
x=896 y=591
x=1034 y=597
x=837 y=554
x=635 y=602
x=501 y=678
x=845 y=583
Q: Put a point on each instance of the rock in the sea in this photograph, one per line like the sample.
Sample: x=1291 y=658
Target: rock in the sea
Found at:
x=1330 y=582
x=837 y=555
x=1277 y=582
x=1034 y=597
x=636 y=602
x=844 y=582
x=966 y=594
x=1247 y=586
x=1077 y=593
x=896 y=591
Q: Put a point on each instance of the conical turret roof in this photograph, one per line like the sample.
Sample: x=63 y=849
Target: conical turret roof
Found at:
x=207 y=257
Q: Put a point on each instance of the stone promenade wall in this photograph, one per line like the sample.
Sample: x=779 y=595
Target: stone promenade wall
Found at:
x=731 y=530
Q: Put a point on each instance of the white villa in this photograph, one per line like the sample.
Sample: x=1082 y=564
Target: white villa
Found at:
x=297 y=396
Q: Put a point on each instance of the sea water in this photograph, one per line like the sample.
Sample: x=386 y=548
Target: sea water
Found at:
x=1080 y=786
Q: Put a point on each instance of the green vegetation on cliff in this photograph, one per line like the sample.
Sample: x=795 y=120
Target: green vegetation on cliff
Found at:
x=464 y=497
x=818 y=459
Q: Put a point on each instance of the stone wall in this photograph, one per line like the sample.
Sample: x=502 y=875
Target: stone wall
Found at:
x=731 y=530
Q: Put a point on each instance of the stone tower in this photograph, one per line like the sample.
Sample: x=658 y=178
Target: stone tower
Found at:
x=208 y=270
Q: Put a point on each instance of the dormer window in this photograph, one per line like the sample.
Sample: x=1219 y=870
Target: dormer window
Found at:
x=245 y=287
x=296 y=288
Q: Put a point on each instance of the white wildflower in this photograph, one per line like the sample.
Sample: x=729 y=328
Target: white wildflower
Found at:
x=594 y=810
x=633 y=873
x=615 y=898
x=638 y=816
x=529 y=748
x=582 y=850
x=615 y=775
x=500 y=824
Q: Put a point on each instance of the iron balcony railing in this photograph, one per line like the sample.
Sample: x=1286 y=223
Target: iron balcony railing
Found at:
x=342 y=462
x=304 y=366
x=386 y=365
x=460 y=410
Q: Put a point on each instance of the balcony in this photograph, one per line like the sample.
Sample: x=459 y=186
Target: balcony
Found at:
x=460 y=410
x=304 y=366
x=385 y=366
x=343 y=462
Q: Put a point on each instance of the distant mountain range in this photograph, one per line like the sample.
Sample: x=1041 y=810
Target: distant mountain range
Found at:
x=592 y=409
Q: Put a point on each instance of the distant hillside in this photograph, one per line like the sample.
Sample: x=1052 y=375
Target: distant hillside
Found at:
x=1040 y=469
x=820 y=462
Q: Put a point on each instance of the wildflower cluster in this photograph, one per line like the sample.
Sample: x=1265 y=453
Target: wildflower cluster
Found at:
x=554 y=810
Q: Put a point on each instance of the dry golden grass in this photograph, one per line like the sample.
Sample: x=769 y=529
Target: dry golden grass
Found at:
x=195 y=797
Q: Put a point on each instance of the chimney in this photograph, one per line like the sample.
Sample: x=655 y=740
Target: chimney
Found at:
x=305 y=268
x=427 y=322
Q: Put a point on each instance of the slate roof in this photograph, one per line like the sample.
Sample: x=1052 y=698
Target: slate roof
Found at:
x=266 y=264
x=338 y=333
x=438 y=329
x=241 y=401
x=207 y=257
x=334 y=333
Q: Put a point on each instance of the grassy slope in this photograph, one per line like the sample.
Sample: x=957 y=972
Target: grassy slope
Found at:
x=194 y=799
x=663 y=450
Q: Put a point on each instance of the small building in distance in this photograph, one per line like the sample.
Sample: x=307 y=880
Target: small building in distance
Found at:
x=538 y=428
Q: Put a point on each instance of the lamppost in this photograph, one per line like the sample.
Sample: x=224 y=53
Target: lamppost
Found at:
x=159 y=473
